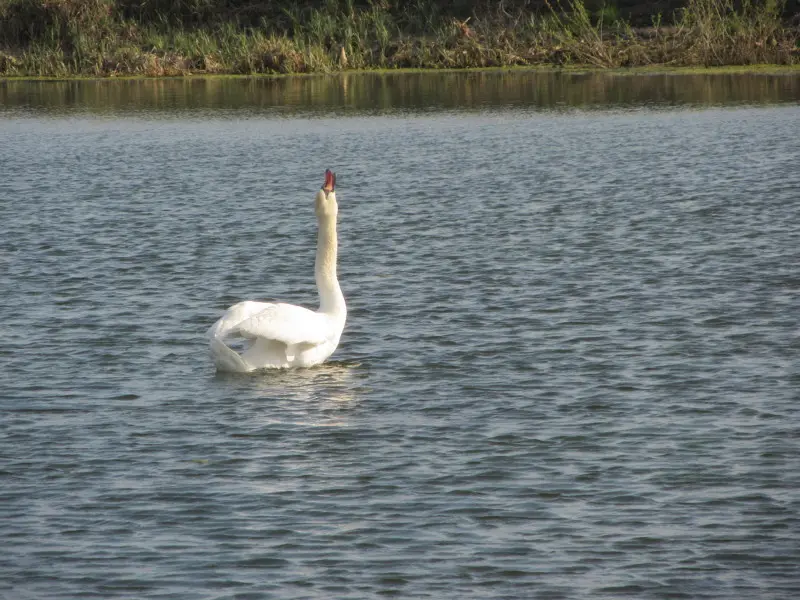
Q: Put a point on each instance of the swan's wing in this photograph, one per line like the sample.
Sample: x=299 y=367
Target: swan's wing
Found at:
x=228 y=359
x=234 y=316
x=285 y=323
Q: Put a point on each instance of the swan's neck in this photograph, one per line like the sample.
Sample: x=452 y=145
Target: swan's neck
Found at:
x=331 y=300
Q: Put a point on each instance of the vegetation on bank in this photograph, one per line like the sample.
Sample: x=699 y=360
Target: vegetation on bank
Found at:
x=60 y=38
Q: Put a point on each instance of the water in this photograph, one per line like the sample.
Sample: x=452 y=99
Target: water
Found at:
x=569 y=369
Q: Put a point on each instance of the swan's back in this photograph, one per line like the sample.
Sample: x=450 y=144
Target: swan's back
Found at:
x=276 y=335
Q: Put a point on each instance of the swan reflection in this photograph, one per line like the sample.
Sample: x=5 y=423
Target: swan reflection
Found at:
x=321 y=396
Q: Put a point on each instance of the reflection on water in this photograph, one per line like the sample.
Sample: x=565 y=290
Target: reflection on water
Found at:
x=317 y=397
x=399 y=91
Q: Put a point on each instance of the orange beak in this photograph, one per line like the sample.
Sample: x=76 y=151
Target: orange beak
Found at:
x=330 y=181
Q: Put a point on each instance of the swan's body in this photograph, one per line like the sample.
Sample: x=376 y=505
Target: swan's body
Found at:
x=284 y=335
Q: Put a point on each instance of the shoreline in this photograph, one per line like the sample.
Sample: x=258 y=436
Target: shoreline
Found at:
x=757 y=69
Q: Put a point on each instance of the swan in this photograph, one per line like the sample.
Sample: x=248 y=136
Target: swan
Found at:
x=279 y=335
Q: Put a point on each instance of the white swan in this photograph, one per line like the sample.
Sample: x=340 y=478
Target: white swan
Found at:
x=283 y=335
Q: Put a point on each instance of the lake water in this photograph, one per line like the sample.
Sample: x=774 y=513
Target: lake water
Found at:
x=570 y=368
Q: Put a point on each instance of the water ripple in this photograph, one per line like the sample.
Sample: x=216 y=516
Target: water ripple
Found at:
x=568 y=369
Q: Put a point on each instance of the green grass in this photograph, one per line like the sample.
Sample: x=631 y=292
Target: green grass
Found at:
x=60 y=38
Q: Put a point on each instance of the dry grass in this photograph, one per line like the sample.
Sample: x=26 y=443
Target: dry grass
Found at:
x=177 y=37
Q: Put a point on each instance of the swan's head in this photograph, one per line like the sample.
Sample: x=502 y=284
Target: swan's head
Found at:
x=326 y=198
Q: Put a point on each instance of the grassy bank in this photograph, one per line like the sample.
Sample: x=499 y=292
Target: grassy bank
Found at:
x=60 y=38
